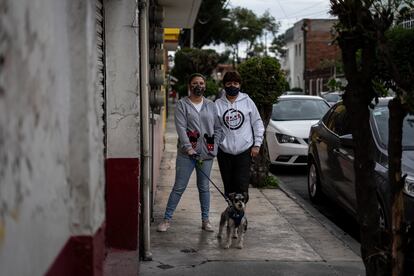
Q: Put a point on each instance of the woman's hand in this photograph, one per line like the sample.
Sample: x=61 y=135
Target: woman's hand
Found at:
x=191 y=152
x=254 y=151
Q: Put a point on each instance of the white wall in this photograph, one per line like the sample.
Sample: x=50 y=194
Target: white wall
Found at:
x=298 y=63
x=51 y=163
x=294 y=61
x=122 y=67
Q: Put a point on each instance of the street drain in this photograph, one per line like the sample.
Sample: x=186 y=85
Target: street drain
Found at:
x=165 y=266
x=188 y=250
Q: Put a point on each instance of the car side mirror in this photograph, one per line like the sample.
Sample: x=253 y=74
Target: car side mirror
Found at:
x=347 y=141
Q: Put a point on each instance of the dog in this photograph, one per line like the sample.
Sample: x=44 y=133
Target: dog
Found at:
x=235 y=219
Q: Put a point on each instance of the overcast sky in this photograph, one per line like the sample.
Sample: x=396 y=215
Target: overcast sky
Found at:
x=287 y=12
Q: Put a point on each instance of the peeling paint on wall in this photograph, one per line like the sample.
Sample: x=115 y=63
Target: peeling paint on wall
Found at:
x=43 y=54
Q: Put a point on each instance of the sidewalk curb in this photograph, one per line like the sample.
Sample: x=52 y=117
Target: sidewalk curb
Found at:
x=325 y=222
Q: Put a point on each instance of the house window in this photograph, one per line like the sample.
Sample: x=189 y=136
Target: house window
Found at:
x=296 y=49
x=300 y=50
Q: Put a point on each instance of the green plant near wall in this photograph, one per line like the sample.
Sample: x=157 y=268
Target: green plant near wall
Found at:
x=269 y=181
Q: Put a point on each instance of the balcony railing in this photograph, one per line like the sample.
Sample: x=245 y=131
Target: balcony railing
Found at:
x=408 y=24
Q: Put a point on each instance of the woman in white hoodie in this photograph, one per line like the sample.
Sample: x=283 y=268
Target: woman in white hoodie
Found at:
x=243 y=129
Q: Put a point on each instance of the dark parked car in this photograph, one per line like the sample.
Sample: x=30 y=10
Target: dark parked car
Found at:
x=330 y=160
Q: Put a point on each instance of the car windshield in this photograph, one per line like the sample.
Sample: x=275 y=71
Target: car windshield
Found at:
x=299 y=109
x=332 y=97
x=381 y=115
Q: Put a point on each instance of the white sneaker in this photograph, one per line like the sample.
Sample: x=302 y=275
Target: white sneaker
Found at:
x=163 y=226
x=206 y=226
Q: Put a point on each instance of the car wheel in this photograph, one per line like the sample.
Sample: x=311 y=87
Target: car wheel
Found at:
x=314 y=183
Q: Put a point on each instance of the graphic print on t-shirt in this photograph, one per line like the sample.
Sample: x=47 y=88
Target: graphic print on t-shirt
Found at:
x=233 y=119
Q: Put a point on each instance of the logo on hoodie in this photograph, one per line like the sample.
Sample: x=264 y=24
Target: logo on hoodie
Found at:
x=193 y=137
x=209 y=142
x=233 y=119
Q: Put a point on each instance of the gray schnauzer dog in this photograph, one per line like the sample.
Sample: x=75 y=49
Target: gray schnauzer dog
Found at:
x=235 y=219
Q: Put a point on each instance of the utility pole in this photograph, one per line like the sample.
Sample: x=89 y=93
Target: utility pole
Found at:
x=191 y=37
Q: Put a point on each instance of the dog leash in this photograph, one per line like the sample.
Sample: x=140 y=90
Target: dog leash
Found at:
x=197 y=163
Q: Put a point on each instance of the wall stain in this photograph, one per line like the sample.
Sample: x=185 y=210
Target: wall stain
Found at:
x=2 y=231
x=4 y=43
x=15 y=214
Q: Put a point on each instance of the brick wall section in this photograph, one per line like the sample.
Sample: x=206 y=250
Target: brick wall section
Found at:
x=320 y=52
x=319 y=46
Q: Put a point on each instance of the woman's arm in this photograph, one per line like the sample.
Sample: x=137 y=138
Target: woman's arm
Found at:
x=180 y=117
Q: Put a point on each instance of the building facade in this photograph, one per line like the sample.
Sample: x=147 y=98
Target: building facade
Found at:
x=81 y=105
x=311 y=58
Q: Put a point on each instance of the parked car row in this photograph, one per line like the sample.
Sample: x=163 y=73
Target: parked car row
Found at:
x=304 y=131
x=288 y=130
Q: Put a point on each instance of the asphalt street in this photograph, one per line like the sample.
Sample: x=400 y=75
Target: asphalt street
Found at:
x=295 y=179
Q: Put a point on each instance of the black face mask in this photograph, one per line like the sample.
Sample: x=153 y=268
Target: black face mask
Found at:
x=232 y=90
x=198 y=90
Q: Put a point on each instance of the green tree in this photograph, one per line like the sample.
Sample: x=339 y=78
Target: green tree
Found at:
x=243 y=25
x=264 y=81
x=278 y=46
x=395 y=48
x=217 y=24
x=192 y=60
x=209 y=25
x=370 y=58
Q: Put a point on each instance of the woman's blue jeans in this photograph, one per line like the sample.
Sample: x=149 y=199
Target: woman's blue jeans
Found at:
x=184 y=167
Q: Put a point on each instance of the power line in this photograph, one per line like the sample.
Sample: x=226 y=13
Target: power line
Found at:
x=305 y=15
x=280 y=5
x=308 y=7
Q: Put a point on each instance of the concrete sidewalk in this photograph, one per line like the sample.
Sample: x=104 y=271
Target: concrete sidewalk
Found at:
x=284 y=237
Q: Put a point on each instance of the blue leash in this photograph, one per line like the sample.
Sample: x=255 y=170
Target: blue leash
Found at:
x=197 y=162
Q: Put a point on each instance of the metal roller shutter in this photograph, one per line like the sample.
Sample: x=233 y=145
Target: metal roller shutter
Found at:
x=100 y=80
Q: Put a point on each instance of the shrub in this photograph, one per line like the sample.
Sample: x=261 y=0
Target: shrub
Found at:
x=269 y=181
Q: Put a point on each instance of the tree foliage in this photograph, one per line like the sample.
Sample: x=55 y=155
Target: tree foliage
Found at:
x=245 y=26
x=399 y=75
x=192 y=60
x=208 y=28
x=217 y=24
x=264 y=81
x=278 y=46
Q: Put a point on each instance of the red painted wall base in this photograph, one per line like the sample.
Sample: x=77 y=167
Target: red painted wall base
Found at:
x=122 y=203
x=81 y=256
